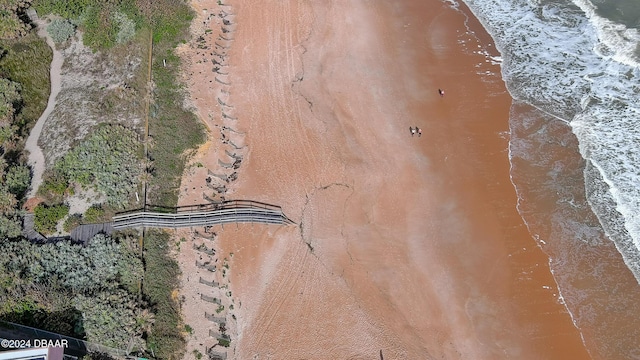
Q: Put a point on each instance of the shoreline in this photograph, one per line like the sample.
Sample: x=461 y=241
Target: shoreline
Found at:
x=374 y=248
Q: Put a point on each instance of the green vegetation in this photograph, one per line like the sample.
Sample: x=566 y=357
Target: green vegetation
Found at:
x=81 y=291
x=69 y=9
x=10 y=226
x=94 y=214
x=13 y=183
x=126 y=27
x=197 y=354
x=9 y=100
x=72 y=222
x=24 y=90
x=53 y=187
x=104 y=23
x=99 y=27
x=106 y=161
x=17 y=180
x=11 y=26
x=26 y=61
x=93 y=292
x=224 y=342
x=160 y=280
x=61 y=30
x=47 y=217
x=173 y=128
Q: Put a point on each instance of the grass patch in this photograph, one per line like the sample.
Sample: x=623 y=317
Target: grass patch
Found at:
x=26 y=61
x=160 y=280
x=174 y=130
x=68 y=8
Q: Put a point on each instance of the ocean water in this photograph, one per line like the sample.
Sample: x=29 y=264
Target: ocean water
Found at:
x=573 y=70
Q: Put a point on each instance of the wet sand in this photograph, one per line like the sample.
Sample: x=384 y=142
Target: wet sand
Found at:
x=406 y=247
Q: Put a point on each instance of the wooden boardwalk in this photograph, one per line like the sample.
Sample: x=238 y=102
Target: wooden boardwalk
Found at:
x=84 y=233
x=237 y=211
x=29 y=231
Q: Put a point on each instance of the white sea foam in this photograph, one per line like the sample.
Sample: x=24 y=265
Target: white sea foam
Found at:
x=579 y=67
x=615 y=40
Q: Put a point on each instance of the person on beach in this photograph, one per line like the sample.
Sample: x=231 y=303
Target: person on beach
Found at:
x=413 y=131
x=419 y=132
x=441 y=92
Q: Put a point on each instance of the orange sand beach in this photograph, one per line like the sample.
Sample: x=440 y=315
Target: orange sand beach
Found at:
x=405 y=247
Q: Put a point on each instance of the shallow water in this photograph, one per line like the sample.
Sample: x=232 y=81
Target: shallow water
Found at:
x=572 y=69
x=598 y=289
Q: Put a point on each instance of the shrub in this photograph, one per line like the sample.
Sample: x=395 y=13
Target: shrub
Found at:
x=9 y=97
x=47 y=217
x=99 y=27
x=130 y=267
x=61 y=30
x=66 y=8
x=126 y=27
x=93 y=214
x=11 y=25
x=224 y=342
x=7 y=201
x=53 y=187
x=109 y=318
x=27 y=62
x=72 y=222
x=10 y=227
x=106 y=161
x=87 y=277
x=18 y=179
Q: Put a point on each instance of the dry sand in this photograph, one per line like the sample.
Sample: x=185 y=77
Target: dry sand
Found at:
x=406 y=247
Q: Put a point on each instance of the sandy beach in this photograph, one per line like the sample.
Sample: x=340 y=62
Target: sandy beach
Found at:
x=406 y=247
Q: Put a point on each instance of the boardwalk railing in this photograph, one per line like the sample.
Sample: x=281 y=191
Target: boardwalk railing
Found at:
x=236 y=211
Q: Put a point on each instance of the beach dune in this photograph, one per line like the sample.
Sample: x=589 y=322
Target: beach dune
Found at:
x=405 y=247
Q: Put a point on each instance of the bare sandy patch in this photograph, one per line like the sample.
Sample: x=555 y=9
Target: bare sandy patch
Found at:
x=208 y=303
